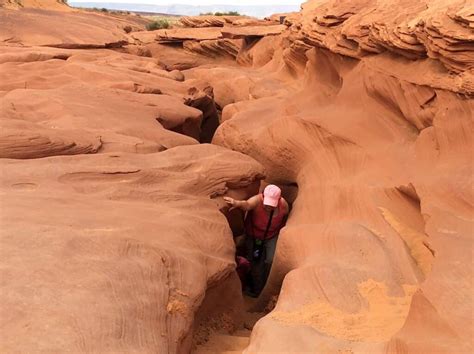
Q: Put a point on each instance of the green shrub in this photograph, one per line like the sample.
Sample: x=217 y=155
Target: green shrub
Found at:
x=158 y=24
x=228 y=13
x=104 y=9
x=218 y=13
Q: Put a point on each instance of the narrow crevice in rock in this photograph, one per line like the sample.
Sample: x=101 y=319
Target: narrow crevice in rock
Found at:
x=229 y=328
x=204 y=101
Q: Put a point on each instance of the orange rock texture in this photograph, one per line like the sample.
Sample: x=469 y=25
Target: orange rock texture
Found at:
x=114 y=235
x=374 y=125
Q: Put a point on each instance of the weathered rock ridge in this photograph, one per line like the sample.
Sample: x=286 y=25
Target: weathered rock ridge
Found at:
x=123 y=239
x=378 y=138
x=120 y=256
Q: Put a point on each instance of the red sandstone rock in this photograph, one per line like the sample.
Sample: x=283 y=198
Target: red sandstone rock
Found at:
x=31 y=27
x=134 y=98
x=117 y=251
x=221 y=21
x=183 y=34
x=37 y=4
x=366 y=106
x=110 y=118
x=252 y=31
x=435 y=29
x=215 y=48
x=374 y=241
x=168 y=57
x=208 y=21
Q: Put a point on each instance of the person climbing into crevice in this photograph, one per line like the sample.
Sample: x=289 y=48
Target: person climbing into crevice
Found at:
x=266 y=215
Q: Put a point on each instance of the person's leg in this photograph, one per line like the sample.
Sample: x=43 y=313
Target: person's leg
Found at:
x=257 y=267
x=258 y=275
x=261 y=267
x=250 y=281
x=270 y=247
x=248 y=245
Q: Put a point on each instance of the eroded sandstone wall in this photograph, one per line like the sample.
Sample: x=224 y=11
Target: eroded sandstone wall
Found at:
x=377 y=133
x=111 y=231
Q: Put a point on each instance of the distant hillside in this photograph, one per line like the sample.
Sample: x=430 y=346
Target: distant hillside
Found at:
x=37 y=4
x=192 y=10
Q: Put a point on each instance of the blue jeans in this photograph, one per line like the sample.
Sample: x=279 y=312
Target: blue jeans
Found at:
x=260 y=268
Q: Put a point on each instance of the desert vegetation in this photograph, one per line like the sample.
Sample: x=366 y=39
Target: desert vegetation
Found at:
x=158 y=24
x=218 y=13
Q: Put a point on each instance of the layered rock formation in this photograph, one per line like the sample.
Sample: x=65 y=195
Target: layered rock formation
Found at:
x=232 y=40
x=45 y=27
x=440 y=30
x=44 y=94
x=221 y=21
x=253 y=31
x=58 y=5
x=122 y=252
x=361 y=110
x=208 y=21
x=367 y=256
x=121 y=239
x=378 y=138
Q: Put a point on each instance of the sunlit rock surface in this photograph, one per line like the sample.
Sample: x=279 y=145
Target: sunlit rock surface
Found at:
x=112 y=233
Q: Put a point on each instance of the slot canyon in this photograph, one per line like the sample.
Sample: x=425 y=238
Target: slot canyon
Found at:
x=361 y=111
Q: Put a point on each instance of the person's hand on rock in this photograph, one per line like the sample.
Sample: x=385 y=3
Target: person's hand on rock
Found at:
x=230 y=202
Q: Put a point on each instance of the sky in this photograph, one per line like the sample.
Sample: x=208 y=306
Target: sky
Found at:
x=201 y=2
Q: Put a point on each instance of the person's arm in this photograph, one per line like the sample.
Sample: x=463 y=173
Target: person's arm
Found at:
x=245 y=205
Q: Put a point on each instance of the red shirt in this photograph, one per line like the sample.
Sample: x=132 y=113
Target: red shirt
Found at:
x=257 y=220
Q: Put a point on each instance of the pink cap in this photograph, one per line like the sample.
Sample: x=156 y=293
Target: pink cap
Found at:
x=271 y=195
